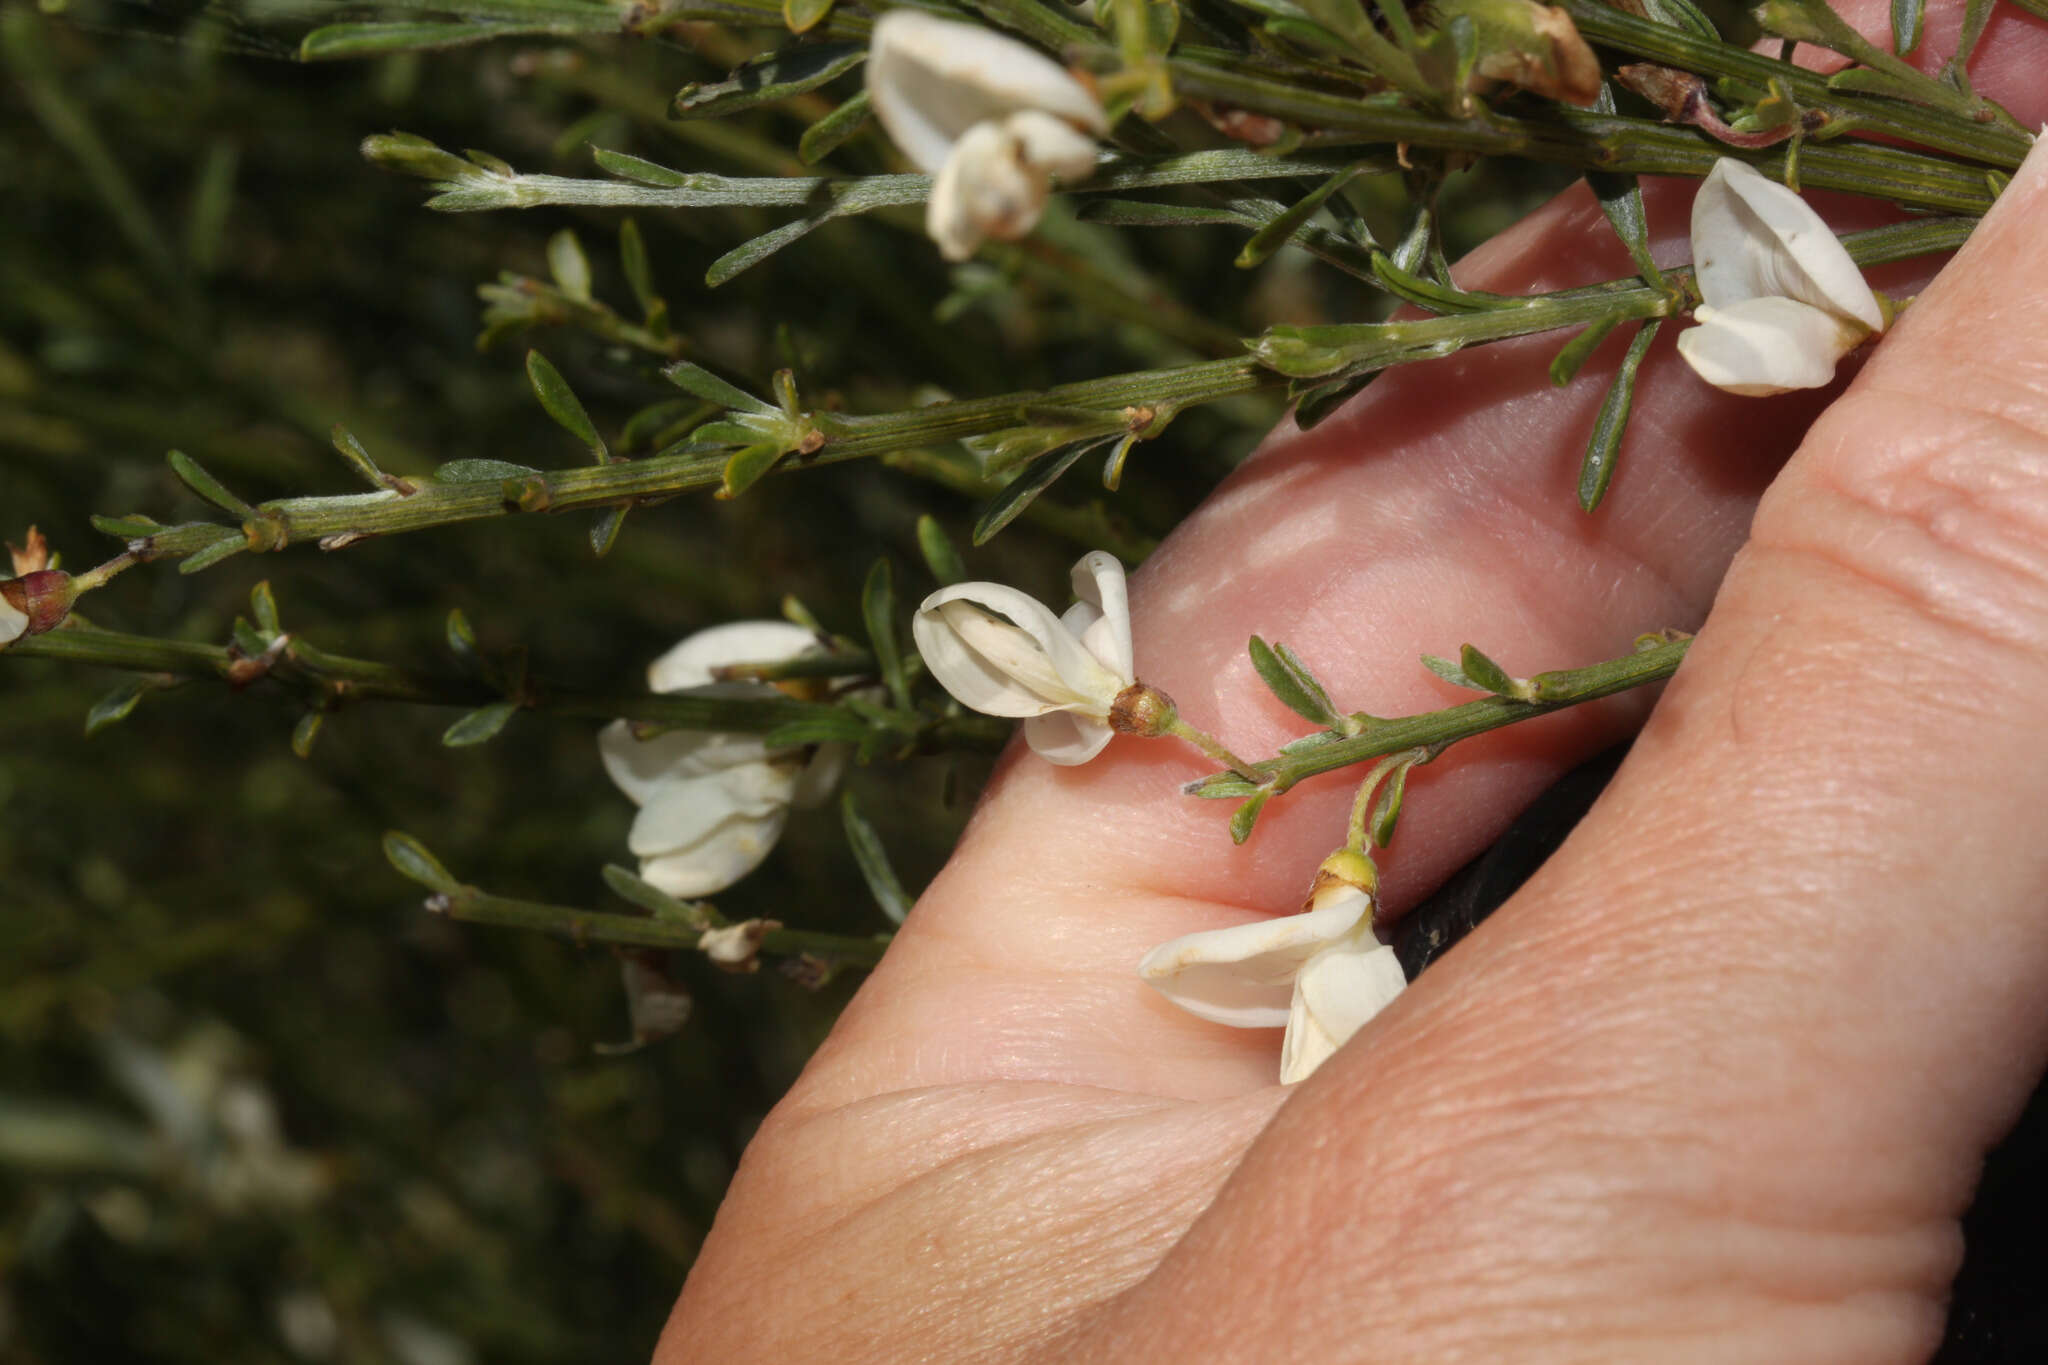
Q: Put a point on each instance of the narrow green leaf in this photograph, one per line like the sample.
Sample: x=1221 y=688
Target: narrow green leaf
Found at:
x=411 y=154
x=639 y=275
x=1683 y=15
x=569 y=266
x=1247 y=815
x=1316 y=402
x=1386 y=807
x=480 y=725
x=604 y=532
x=1976 y=14
x=1436 y=298
x=752 y=252
x=1281 y=230
x=1621 y=199
x=1449 y=672
x=637 y=892
x=878 y=612
x=352 y=452
x=873 y=861
x=697 y=380
x=830 y=726
x=746 y=467
x=306 y=731
x=230 y=544
x=939 y=555
x=1572 y=356
x=628 y=167
x=801 y=16
x=337 y=42
x=133 y=527
x=772 y=76
x=461 y=635
x=263 y=604
x=830 y=133
x=213 y=198
x=206 y=486
x=1484 y=672
x=1290 y=681
x=1144 y=213
x=562 y=404
x=414 y=863
x=115 y=706
x=1019 y=493
x=1596 y=470
x=1908 y=19
x=481 y=471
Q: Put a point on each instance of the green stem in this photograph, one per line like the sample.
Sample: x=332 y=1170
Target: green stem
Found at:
x=469 y=904
x=1554 y=691
x=1668 y=46
x=353 y=515
x=330 y=680
x=1208 y=744
x=344 y=518
x=1590 y=141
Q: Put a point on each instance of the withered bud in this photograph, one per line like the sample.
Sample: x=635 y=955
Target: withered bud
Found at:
x=1346 y=870
x=1241 y=125
x=1675 y=93
x=32 y=557
x=1141 y=709
x=1546 y=57
x=735 y=947
x=42 y=599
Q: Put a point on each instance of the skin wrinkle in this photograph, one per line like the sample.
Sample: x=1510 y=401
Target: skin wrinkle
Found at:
x=1353 y=1111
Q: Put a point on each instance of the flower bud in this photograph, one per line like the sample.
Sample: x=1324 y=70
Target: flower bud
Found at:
x=1346 y=871
x=34 y=603
x=735 y=947
x=1141 y=709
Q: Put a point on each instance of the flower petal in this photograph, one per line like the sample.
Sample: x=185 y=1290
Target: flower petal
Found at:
x=998 y=673
x=726 y=854
x=689 y=664
x=638 y=766
x=815 y=783
x=984 y=190
x=1768 y=345
x=1244 y=976
x=12 y=623
x=1051 y=145
x=931 y=79
x=1099 y=581
x=680 y=812
x=1335 y=994
x=1753 y=238
x=1066 y=739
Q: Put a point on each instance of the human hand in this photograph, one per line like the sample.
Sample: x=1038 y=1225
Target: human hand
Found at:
x=1714 y=1086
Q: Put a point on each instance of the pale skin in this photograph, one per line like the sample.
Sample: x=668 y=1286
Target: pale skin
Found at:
x=1715 y=1086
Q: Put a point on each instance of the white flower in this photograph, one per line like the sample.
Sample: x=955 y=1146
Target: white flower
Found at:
x=1783 y=301
x=1062 y=673
x=993 y=119
x=13 y=622
x=713 y=805
x=1321 y=974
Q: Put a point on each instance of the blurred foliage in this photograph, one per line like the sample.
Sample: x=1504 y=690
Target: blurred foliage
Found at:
x=254 y=1105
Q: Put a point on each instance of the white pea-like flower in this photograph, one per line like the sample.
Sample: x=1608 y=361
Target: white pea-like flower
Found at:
x=1783 y=300
x=1003 y=653
x=1320 y=974
x=992 y=119
x=13 y=622
x=712 y=805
